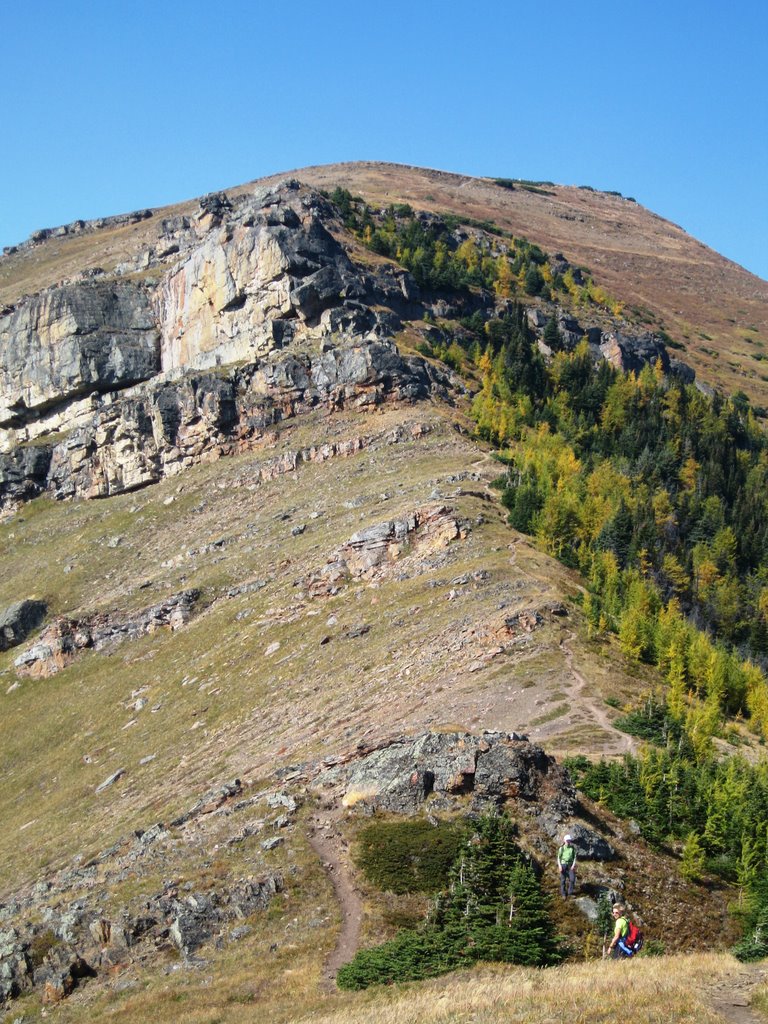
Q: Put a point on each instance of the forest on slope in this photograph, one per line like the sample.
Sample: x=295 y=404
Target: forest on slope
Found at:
x=657 y=492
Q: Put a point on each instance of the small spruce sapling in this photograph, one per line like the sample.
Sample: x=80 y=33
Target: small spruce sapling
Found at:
x=604 y=921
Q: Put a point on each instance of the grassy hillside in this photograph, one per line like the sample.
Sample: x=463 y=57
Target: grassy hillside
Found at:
x=231 y=703
x=272 y=676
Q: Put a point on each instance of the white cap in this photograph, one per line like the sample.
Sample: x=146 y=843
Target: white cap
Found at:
x=568 y=839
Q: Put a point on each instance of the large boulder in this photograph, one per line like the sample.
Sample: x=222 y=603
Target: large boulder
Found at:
x=18 y=620
x=494 y=769
x=589 y=844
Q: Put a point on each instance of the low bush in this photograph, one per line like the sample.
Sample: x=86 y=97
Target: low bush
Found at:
x=409 y=856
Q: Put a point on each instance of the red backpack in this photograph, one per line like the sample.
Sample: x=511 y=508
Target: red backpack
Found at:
x=633 y=940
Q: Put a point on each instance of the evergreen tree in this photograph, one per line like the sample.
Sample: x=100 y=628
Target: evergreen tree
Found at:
x=533 y=281
x=552 y=336
x=692 y=866
x=494 y=910
x=604 y=922
x=532 y=938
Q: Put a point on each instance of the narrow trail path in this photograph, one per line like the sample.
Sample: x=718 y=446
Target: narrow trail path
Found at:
x=732 y=998
x=580 y=701
x=326 y=840
x=622 y=743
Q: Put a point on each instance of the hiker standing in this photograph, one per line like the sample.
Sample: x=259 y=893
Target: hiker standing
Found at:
x=619 y=946
x=566 y=865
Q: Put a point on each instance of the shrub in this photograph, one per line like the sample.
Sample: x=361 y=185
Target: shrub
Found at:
x=494 y=910
x=755 y=946
x=653 y=947
x=409 y=856
x=651 y=721
x=41 y=946
x=410 y=956
x=534 y=282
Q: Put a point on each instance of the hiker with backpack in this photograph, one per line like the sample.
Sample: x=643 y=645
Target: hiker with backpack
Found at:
x=566 y=865
x=627 y=937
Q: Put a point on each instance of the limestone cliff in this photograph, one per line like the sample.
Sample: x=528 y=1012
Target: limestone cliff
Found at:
x=110 y=382
x=96 y=335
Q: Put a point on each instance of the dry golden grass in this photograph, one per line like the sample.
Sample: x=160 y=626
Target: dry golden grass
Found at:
x=254 y=984
x=663 y=990
x=759 y=1001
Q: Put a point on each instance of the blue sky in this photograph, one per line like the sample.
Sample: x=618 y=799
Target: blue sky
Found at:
x=111 y=106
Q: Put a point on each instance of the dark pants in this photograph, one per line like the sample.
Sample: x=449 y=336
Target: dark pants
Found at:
x=567 y=880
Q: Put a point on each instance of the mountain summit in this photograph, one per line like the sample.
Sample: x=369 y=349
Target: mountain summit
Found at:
x=299 y=605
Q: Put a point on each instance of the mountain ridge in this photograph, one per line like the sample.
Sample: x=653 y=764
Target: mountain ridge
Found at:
x=299 y=557
x=687 y=289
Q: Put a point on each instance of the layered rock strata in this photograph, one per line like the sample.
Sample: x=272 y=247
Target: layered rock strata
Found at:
x=158 y=429
x=58 y=645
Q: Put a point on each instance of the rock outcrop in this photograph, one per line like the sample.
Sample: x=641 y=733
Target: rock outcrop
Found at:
x=270 y=274
x=460 y=772
x=493 y=769
x=242 y=280
x=110 y=382
x=628 y=351
x=18 y=620
x=59 y=644
x=122 y=443
x=59 y=345
x=57 y=934
x=426 y=529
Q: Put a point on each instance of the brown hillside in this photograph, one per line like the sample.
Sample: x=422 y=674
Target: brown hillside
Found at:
x=712 y=306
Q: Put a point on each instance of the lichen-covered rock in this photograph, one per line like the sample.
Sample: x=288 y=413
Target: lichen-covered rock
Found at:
x=15 y=966
x=62 y=971
x=198 y=916
x=495 y=768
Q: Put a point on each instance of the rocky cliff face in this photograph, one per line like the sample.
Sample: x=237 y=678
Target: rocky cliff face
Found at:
x=123 y=442
x=110 y=382
x=231 y=285
x=264 y=273
x=94 y=336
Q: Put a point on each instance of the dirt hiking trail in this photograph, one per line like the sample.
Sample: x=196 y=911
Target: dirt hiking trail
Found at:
x=731 y=998
x=326 y=840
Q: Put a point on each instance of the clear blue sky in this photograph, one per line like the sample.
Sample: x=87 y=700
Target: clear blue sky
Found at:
x=109 y=106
